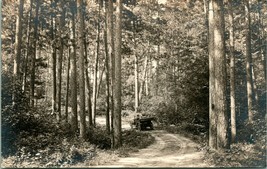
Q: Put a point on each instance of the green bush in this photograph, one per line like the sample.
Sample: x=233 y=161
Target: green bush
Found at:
x=100 y=137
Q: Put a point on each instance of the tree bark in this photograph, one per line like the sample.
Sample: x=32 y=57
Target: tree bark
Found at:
x=249 y=63
x=54 y=61
x=88 y=87
x=73 y=72
x=67 y=88
x=220 y=76
x=117 y=81
x=100 y=80
x=212 y=115
x=107 y=69
x=25 y=73
x=96 y=67
x=143 y=79
x=17 y=58
x=136 y=78
x=34 y=55
x=61 y=50
x=95 y=80
x=110 y=40
x=232 y=73
x=81 y=68
x=146 y=77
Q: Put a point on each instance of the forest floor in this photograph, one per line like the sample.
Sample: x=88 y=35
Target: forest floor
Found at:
x=168 y=150
x=151 y=148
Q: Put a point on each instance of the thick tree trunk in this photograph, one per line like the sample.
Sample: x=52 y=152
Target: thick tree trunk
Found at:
x=73 y=73
x=81 y=68
x=117 y=81
x=232 y=73
x=17 y=58
x=249 y=63
x=34 y=55
x=212 y=115
x=220 y=76
x=59 y=71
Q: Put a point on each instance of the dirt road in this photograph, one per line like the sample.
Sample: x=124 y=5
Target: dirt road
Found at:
x=169 y=150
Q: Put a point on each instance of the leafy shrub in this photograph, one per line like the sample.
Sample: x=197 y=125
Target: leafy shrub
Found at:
x=135 y=139
x=99 y=137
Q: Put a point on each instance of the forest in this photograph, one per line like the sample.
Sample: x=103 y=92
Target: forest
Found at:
x=76 y=74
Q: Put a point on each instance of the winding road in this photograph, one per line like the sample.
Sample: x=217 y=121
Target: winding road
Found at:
x=169 y=150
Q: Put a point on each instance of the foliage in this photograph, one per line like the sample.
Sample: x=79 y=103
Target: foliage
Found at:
x=197 y=133
x=99 y=137
x=14 y=118
x=247 y=152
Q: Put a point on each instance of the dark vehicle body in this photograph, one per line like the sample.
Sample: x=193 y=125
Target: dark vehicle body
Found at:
x=143 y=123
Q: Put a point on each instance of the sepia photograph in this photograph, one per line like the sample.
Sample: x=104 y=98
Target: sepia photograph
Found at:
x=133 y=83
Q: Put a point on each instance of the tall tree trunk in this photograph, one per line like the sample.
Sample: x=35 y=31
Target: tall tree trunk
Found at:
x=156 y=71
x=263 y=48
x=67 y=88
x=136 y=78
x=88 y=87
x=54 y=61
x=143 y=79
x=117 y=81
x=61 y=52
x=95 y=85
x=34 y=55
x=73 y=72
x=232 y=73
x=110 y=40
x=220 y=74
x=255 y=87
x=100 y=80
x=264 y=65
x=25 y=72
x=17 y=58
x=107 y=69
x=248 y=63
x=212 y=115
x=146 y=75
x=81 y=67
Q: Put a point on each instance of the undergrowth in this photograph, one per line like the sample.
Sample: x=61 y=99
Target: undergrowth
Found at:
x=246 y=152
x=46 y=143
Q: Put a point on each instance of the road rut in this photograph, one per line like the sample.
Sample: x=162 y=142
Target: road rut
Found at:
x=169 y=150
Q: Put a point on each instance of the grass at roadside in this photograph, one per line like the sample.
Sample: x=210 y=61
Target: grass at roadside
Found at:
x=72 y=152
